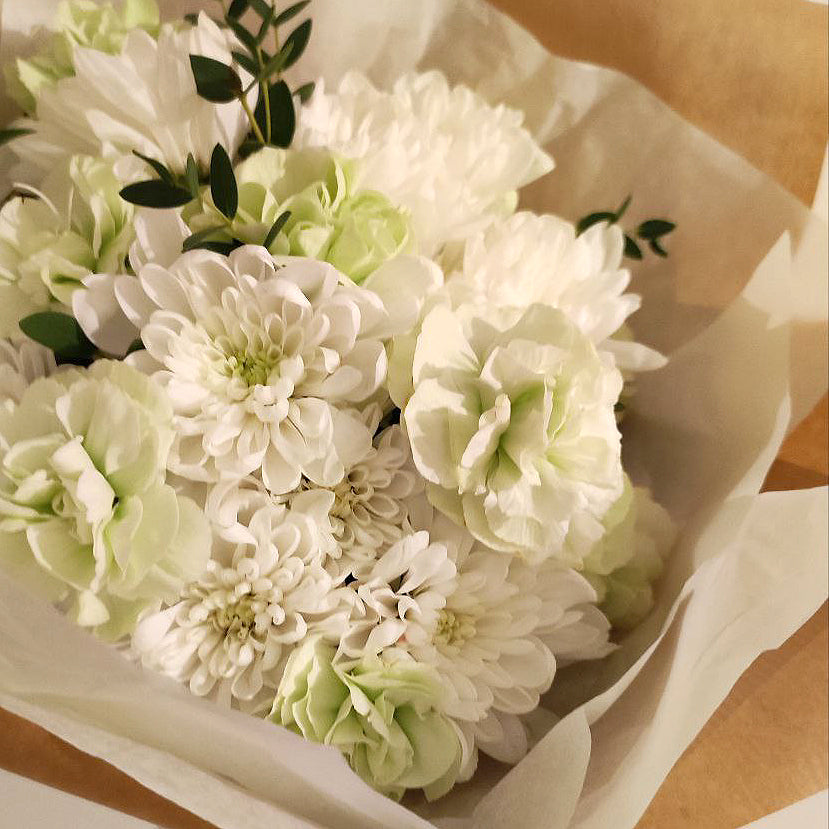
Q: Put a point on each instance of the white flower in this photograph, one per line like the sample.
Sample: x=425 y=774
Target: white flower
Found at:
x=261 y=363
x=530 y=259
x=399 y=598
x=454 y=161
x=233 y=629
x=76 y=226
x=79 y=23
x=20 y=365
x=514 y=430
x=86 y=515
x=494 y=632
x=142 y=99
x=368 y=508
x=623 y=565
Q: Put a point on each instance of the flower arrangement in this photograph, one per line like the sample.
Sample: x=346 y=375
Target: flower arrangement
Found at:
x=299 y=410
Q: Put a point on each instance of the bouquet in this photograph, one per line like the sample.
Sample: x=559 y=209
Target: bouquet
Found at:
x=299 y=409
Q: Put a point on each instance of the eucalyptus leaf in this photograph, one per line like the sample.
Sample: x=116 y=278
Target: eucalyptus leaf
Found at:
x=237 y=8
x=246 y=62
x=276 y=227
x=275 y=64
x=165 y=175
x=245 y=37
x=632 y=250
x=215 y=81
x=194 y=241
x=622 y=209
x=223 y=187
x=283 y=116
x=266 y=25
x=12 y=133
x=654 y=228
x=297 y=40
x=657 y=248
x=225 y=248
x=594 y=218
x=155 y=193
x=304 y=92
x=62 y=334
x=290 y=12
x=191 y=176
x=261 y=7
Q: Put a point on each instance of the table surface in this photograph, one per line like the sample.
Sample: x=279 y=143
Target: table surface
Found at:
x=755 y=77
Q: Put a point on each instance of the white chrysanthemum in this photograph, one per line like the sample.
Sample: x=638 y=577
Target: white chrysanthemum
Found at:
x=142 y=99
x=20 y=365
x=527 y=259
x=261 y=363
x=399 y=598
x=445 y=154
x=368 y=509
x=499 y=636
x=234 y=627
x=513 y=428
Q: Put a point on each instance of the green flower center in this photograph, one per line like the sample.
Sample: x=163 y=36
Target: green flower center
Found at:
x=454 y=629
x=252 y=369
x=237 y=618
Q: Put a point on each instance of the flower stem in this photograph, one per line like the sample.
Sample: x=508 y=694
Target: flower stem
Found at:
x=254 y=126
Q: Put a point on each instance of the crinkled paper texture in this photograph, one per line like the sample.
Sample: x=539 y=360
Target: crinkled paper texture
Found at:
x=741 y=308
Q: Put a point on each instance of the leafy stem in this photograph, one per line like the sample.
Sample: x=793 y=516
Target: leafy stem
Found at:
x=252 y=118
x=651 y=231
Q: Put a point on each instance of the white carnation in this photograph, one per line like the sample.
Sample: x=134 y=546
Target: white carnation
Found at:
x=262 y=363
x=142 y=99
x=445 y=154
x=20 y=365
x=513 y=427
x=530 y=259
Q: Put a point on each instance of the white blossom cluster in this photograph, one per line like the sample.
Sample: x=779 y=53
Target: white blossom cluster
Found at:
x=371 y=507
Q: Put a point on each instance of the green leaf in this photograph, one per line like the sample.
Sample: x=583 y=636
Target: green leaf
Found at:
x=266 y=24
x=245 y=37
x=223 y=187
x=297 y=40
x=654 y=228
x=225 y=248
x=275 y=64
x=283 y=117
x=246 y=62
x=215 y=81
x=12 y=133
x=136 y=345
x=192 y=18
x=194 y=241
x=304 y=92
x=622 y=209
x=62 y=334
x=275 y=228
x=291 y=11
x=657 y=248
x=594 y=218
x=237 y=8
x=261 y=7
x=632 y=250
x=191 y=176
x=165 y=175
x=155 y=193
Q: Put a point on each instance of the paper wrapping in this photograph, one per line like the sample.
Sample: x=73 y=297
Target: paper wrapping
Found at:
x=740 y=306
